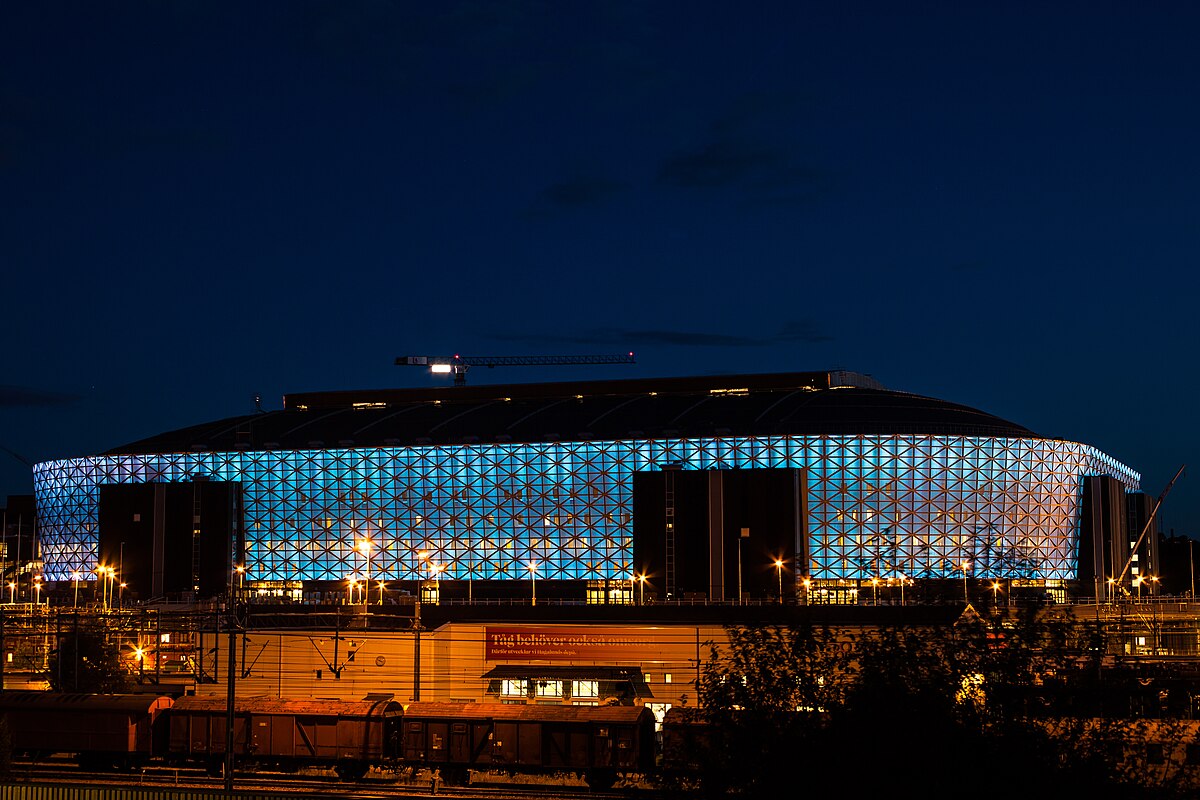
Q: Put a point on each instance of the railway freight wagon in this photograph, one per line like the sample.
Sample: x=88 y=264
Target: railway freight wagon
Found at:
x=350 y=736
x=599 y=742
x=101 y=731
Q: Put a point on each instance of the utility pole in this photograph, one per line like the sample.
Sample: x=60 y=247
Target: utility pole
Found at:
x=231 y=623
x=417 y=644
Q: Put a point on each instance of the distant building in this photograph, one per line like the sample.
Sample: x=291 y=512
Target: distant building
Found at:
x=676 y=488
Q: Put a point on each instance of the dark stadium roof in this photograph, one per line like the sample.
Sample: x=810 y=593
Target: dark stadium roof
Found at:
x=725 y=405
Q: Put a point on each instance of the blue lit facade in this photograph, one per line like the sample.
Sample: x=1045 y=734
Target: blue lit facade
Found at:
x=877 y=505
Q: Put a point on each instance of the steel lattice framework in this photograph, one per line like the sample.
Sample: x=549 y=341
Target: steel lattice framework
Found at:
x=877 y=505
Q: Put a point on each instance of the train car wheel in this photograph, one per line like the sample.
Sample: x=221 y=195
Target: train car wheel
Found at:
x=456 y=776
x=602 y=779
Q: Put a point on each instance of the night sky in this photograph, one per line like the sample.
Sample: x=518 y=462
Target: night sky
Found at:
x=992 y=204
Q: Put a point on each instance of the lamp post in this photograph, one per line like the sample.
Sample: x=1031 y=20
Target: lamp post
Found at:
x=1192 y=564
x=12 y=592
x=364 y=547
x=807 y=582
x=903 y=580
x=533 y=581
x=75 y=577
x=995 y=593
x=1138 y=583
x=1112 y=590
x=875 y=591
x=435 y=572
x=37 y=590
x=121 y=594
x=642 y=589
x=744 y=534
x=241 y=573
x=779 y=578
x=966 y=565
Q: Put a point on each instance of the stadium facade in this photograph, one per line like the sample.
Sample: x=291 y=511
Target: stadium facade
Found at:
x=577 y=482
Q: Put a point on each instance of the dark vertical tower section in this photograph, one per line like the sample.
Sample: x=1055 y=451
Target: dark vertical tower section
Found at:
x=147 y=532
x=1105 y=537
x=711 y=510
x=1138 y=507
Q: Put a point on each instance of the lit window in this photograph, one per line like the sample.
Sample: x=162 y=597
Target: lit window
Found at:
x=585 y=688
x=549 y=688
x=513 y=688
x=667 y=678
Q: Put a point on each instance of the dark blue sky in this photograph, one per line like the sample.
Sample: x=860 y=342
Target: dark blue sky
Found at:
x=205 y=201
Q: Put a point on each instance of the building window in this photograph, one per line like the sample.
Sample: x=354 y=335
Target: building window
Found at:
x=512 y=689
x=585 y=689
x=549 y=688
x=667 y=678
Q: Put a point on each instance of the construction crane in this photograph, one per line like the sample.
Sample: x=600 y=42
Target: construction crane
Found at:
x=458 y=365
x=1146 y=529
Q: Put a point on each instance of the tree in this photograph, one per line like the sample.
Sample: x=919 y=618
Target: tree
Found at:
x=86 y=661
x=964 y=710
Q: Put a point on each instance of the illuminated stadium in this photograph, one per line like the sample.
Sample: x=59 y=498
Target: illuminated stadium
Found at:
x=699 y=484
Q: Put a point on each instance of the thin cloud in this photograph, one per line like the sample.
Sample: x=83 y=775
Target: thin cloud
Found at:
x=23 y=397
x=580 y=192
x=721 y=163
x=798 y=331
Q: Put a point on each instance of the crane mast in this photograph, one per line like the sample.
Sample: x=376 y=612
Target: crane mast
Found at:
x=458 y=365
x=1146 y=528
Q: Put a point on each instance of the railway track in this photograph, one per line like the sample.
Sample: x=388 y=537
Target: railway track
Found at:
x=316 y=783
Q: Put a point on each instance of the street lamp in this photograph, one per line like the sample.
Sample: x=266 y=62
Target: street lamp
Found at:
x=241 y=573
x=121 y=595
x=807 y=582
x=352 y=582
x=75 y=576
x=966 y=565
x=903 y=580
x=12 y=592
x=533 y=581
x=995 y=593
x=37 y=590
x=642 y=589
x=1112 y=589
x=779 y=578
x=1138 y=583
x=364 y=547
x=875 y=590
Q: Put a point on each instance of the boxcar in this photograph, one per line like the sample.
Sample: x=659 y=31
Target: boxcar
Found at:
x=598 y=742
x=100 y=731
x=350 y=736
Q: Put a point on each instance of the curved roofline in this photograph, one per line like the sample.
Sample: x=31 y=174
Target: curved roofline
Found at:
x=812 y=403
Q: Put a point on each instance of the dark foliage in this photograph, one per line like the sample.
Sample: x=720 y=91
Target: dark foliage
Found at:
x=935 y=712
x=86 y=662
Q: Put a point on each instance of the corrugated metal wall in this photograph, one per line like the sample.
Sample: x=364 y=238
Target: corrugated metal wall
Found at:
x=26 y=791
